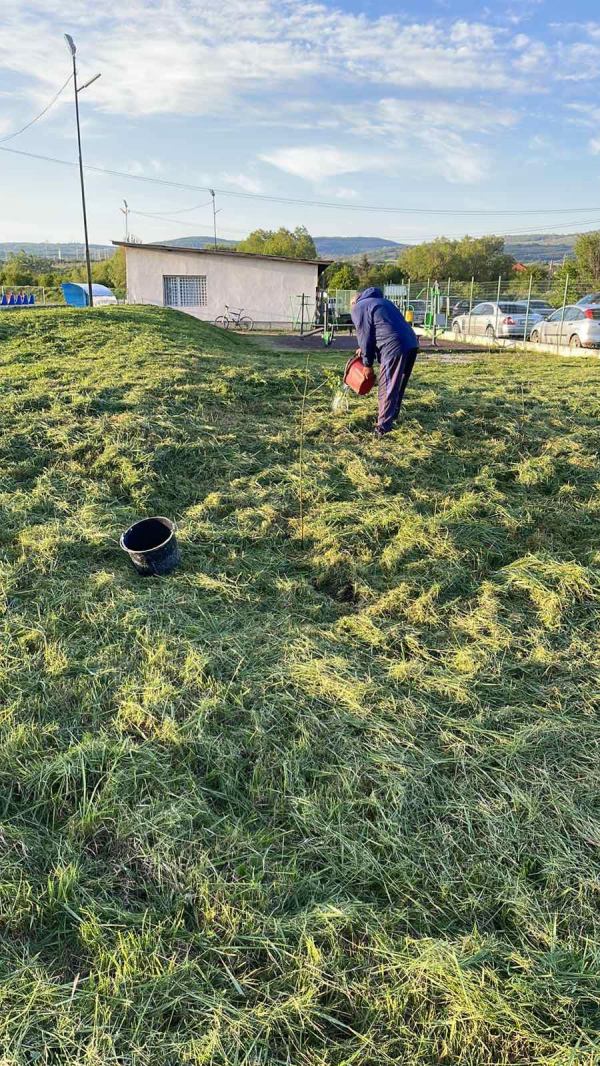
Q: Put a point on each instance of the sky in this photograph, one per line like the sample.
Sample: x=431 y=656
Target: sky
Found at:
x=440 y=117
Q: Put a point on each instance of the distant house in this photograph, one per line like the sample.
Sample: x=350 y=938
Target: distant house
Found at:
x=76 y=294
x=201 y=281
x=519 y=267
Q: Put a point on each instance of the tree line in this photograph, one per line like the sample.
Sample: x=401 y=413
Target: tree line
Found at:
x=22 y=271
x=482 y=258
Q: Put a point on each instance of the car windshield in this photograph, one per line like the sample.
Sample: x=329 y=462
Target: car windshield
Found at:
x=542 y=304
x=513 y=309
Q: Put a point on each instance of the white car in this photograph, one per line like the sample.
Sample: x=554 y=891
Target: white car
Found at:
x=577 y=326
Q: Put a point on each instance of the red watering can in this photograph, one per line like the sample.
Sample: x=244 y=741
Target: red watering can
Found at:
x=357 y=377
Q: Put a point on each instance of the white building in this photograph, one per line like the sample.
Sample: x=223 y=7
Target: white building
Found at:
x=201 y=281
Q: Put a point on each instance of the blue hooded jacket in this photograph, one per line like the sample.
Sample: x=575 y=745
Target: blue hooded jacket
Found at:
x=381 y=328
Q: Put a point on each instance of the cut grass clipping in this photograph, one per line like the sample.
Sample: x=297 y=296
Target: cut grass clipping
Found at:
x=324 y=807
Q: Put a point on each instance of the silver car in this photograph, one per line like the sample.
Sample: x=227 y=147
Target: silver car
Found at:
x=541 y=307
x=504 y=319
x=579 y=327
x=591 y=298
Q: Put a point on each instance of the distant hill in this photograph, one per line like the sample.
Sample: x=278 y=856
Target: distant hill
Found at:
x=378 y=249
x=540 y=247
x=346 y=247
x=526 y=247
x=197 y=242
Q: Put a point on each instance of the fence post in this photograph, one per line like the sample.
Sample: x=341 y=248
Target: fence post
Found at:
x=471 y=303
x=408 y=296
x=564 y=307
x=528 y=305
x=302 y=316
x=448 y=305
x=498 y=305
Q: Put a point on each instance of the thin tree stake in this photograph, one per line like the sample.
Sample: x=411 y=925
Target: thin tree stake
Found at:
x=302 y=450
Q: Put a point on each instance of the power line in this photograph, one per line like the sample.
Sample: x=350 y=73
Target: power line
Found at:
x=177 y=222
x=41 y=114
x=305 y=203
x=430 y=237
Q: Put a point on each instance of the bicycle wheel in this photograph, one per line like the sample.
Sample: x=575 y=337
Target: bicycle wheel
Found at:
x=246 y=323
x=222 y=321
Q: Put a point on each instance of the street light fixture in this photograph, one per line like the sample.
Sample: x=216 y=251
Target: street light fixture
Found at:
x=72 y=50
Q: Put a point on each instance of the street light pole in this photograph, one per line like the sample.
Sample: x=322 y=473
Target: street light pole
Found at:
x=125 y=211
x=72 y=50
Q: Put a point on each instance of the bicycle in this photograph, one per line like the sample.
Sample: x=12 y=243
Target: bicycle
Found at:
x=234 y=318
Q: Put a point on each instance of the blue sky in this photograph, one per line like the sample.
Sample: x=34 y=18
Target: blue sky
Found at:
x=430 y=106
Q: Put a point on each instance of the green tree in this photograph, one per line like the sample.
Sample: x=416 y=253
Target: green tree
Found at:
x=293 y=244
x=382 y=274
x=537 y=272
x=432 y=259
x=556 y=294
x=364 y=269
x=17 y=271
x=483 y=258
x=587 y=256
x=117 y=272
x=345 y=277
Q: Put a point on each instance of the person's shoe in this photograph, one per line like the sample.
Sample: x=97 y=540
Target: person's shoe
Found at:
x=378 y=433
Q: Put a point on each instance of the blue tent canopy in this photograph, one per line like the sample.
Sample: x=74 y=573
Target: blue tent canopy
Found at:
x=76 y=293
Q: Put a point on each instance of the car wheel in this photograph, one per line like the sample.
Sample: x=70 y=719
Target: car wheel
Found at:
x=535 y=337
x=575 y=341
x=457 y=329
x=490 y=333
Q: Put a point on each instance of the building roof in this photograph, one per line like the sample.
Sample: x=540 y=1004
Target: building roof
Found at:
x=323 y=263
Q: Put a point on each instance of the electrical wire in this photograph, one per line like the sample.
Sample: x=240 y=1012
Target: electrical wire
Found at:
x=305 y=203
x=41 y=114
x=406 y=240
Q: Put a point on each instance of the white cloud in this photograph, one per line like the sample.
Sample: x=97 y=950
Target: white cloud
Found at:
x=594 y=146
x=316 y=163
x=245 y=182
x=202 y=56
x=346 y=194
x=538 y=142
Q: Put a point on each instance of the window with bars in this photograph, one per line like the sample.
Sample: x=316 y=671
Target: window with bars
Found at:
x=184 y=290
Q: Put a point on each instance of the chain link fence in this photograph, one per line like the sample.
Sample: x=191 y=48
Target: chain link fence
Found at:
x=448 y=298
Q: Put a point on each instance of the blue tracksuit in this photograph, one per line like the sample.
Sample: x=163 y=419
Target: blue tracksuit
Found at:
x=384 y=334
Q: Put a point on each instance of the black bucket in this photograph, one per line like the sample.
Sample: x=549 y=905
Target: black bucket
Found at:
x=152 y=546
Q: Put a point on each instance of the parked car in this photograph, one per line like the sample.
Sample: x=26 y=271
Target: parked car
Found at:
x=419 y=307
x=579 y=327
x=591 y=298
x=459 y=307
x=497 y=320
x=541 y=307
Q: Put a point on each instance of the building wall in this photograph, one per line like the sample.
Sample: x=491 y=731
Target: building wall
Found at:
x=267 y=290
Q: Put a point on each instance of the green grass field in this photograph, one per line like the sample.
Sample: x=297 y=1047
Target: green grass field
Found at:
x=331 y=806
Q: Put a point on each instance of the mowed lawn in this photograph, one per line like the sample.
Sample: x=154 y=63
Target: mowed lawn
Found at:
x=323 y=806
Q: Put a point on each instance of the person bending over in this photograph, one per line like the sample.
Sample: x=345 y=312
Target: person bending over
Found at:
x=384 y=335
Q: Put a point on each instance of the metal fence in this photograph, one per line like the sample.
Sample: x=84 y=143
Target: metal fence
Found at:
x=440 y=298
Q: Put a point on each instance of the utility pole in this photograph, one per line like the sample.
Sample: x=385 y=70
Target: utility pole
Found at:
x=212 y=193
x=125 y=211
x=73 y=50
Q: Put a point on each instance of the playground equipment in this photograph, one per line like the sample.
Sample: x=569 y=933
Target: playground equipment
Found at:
x=323 y=320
